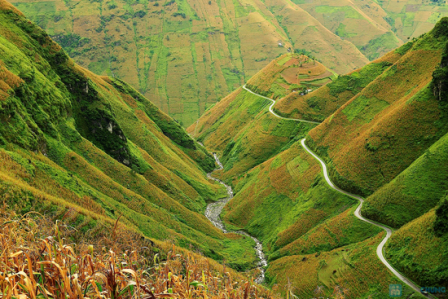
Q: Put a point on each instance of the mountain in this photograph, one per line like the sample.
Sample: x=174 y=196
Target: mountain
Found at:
x=410 y=19
x=185 y=55
x=363 y=23
x=209 y=48
x=381 y=130
x=92 y=150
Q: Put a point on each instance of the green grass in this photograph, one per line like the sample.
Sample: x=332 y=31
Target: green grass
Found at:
x=415 y=191
x=376 y=46
x=76 y=141
x=348 y=11
x=418 y=252
x=364 y=108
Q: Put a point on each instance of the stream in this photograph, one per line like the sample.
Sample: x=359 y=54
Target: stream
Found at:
x=213 y=213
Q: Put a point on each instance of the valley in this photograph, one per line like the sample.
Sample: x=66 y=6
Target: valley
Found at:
x=282 y=198
x=357 y=213
x=223 y=149
x=213 y=213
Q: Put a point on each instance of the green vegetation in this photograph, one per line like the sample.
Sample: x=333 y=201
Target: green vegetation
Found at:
x=409 y=196
x=207 y=48
x=383 y=134
x=441 y=223
x=380 y=45
x=348 y=11
x=418 y=251
x=75 y=142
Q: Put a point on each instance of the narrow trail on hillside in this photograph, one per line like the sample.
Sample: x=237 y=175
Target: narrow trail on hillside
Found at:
x=379 y=250
x=213 y=212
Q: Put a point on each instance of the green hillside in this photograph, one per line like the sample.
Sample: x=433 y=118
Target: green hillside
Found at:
x=95 y=154
x=390 y=123
x=184 y=55
x=383 y=134
x=74 y=143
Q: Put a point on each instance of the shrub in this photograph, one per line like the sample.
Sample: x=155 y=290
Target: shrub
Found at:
x=441 y=223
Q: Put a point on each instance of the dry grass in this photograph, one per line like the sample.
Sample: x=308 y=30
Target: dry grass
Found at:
x=37 y=262
x=8 y=81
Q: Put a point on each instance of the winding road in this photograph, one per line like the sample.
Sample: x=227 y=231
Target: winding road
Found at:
x=379 y=250
x=275 y=114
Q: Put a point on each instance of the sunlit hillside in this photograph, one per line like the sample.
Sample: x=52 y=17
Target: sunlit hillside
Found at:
x=382 y=134
x=74 y=142
x=186 y=55
x=412 y=18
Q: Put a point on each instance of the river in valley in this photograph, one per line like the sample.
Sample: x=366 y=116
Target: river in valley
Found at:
x=213 y=213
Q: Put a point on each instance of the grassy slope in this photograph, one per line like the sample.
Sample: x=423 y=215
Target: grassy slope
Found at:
x=289 y=72
x=323 y=102
x=72 y=139
x=417 y=252
x=184 y=55
x=245 y=132
x=309 y=34
x=390 y=123
x=280 y=195
x=241 y=128
x=414 y=191
x=413 y=18
x=285 y=202
x=360 y=22
x=351 y=271
x=404 y=141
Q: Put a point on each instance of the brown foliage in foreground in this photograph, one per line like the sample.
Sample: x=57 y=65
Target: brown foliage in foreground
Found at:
x=37 y=262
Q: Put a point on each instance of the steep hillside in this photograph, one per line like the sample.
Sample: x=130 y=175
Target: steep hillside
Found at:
x=390 y=123
x=411 y=18
x=185 y=55
x=240 y=126
x=419 y=250
x=376 y=27
x=73 y=140
x=385 y=126
x=361 y=22
x=324 y=101
x=290 y=73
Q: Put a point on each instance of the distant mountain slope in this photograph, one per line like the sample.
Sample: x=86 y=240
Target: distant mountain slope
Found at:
x=290 y=73
x=361 y=22
x=410 y=18
x=70 y=139
x=186 y=55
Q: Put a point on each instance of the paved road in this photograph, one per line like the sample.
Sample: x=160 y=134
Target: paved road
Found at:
x=276 y=115
x=379 y=250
